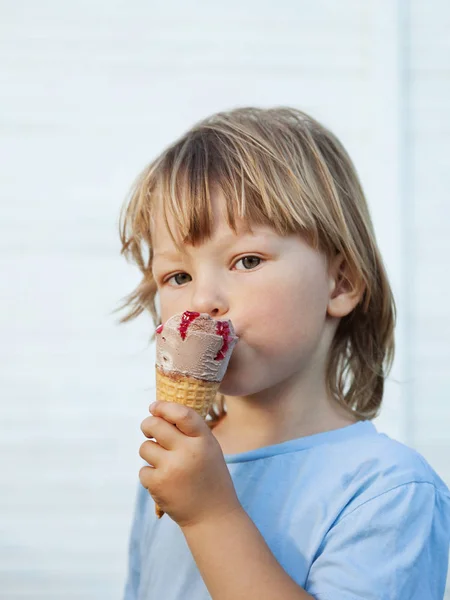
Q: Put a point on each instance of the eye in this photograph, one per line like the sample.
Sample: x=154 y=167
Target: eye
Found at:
x=249 y=262
x=179 y=279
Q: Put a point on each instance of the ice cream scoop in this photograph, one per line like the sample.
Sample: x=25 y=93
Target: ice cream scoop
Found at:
x=196 y=345
x=192 y=355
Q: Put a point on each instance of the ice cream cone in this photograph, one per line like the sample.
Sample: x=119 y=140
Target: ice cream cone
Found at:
x=191 y=392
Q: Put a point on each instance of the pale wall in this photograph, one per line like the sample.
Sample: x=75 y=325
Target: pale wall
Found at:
x=91 y=91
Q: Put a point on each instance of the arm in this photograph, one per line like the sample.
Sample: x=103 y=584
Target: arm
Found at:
x=236 y=563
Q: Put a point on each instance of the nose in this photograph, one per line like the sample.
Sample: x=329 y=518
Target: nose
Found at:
x=209 y=296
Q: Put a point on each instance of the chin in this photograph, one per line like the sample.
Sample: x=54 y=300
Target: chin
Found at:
x=233 y=385
x=227 y=387
x=230 y=384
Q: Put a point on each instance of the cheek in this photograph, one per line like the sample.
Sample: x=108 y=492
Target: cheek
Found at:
x=289 y=313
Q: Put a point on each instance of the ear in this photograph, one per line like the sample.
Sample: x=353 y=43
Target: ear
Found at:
x=346 y=290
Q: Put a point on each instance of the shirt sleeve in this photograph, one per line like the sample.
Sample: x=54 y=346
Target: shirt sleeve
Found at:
x=134 y=548
x=392 y=547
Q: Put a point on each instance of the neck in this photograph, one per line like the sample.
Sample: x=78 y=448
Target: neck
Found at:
x=290 y=410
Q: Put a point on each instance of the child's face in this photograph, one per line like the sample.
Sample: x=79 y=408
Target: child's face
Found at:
x=274 y=289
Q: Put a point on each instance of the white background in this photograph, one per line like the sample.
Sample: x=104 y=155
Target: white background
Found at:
x=91 y=92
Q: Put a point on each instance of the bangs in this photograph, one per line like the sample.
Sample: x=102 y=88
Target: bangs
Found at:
x=256 y=191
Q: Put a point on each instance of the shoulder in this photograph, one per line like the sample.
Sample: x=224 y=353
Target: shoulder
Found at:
x=376 y=464
x=389 y=523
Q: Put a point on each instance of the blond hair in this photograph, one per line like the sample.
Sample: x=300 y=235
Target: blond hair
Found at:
x=279 y=167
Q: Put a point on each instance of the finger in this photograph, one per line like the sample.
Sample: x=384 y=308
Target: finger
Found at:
x=146 y=477
x=165 y=433
x=152 y=453
x=185 y=419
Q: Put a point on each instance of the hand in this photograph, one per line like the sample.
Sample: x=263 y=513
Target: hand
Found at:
x=189 y=478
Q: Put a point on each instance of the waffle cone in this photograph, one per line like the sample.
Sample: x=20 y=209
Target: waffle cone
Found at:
x=195 y=393
x=191 y=392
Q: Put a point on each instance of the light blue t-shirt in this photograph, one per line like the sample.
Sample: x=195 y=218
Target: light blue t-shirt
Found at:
x=349 y=514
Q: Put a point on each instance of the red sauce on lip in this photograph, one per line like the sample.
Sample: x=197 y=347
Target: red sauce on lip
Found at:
x=186 y=319
x=159 y=328
x=223 y=329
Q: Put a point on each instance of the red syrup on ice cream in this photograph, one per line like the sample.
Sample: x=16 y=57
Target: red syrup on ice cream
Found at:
x=159 y=328
x=223 y=329
x=186 y=319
